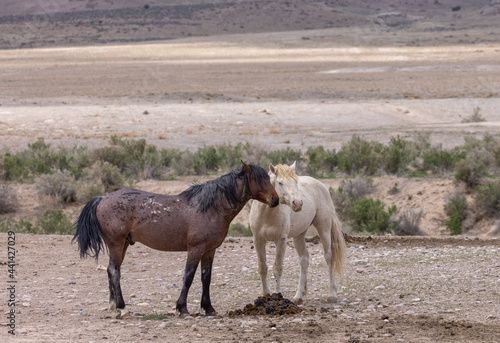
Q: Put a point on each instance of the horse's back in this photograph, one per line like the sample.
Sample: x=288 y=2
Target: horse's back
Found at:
x=156 y=220
x=314 y=190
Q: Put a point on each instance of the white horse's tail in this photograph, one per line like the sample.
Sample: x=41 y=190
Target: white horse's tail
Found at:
x=338 y=245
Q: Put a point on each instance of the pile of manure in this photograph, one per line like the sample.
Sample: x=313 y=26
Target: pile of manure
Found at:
x=270 y=304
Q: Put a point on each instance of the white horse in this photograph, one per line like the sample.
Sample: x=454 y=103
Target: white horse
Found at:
x=303 y=201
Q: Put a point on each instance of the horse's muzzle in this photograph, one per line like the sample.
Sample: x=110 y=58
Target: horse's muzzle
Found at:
x=274 y=202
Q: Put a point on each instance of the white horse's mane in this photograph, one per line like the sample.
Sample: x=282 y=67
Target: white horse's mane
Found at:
x=284 y=171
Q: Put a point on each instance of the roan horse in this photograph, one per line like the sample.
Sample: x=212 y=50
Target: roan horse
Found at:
x=303 y=201
x=196 y=221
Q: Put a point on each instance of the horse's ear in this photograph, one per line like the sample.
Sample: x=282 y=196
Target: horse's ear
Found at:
x=272 y=169
x=245 y=167
x=292 y=167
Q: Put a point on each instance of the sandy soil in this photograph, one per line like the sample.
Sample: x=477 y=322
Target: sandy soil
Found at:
x=450 y=294
x=287 y=92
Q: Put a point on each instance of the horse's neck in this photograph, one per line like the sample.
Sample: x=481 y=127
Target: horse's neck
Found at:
x=265 y=210
x=244 y=197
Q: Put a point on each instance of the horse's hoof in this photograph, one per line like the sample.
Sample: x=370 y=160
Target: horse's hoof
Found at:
x=184 y=315
x=332 y=300
x=122 y=313
x=212 y=313
x=298 y=301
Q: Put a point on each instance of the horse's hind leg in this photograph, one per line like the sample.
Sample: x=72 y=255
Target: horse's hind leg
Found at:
x=206 y=277
x=116 y=256
x=325 y=236
x=299 y=243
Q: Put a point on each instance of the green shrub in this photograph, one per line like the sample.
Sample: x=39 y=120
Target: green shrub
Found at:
x=6 y=224
x=135 y=157
x=8 y=199
x=206 y=160
x=282 y=156
x=370 y=215
x=40 y=157
x=113 y=154
x=59 y=185
x=55 y=221
x=360 y=156
x=456 y=204
x=13 y=168
x=488 y=198
x=106 y=174
x=239 y=230
x=321 y=162
x=470 y=172
x=440 y=161
x=73 y=159
x=349 y=191
x=89 y=190
x=24 y=226
x=183 y=164
x=230 y=156
x=398 y=155
x=454 y=224
x=455 y=208
x=149 y=165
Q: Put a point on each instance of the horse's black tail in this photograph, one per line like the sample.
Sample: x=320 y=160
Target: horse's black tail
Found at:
x=88 y=230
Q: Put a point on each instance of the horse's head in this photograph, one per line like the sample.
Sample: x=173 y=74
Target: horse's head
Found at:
x=260 y=186
x=285 y=182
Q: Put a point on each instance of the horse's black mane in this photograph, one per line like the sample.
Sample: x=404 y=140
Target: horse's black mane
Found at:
x=213 y=192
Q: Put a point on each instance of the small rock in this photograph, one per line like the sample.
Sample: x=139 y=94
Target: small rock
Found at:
x=164 y=324
x=359 y=262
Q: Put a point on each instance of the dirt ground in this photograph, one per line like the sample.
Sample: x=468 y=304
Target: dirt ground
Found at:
x=394 y=290
x=285 y=92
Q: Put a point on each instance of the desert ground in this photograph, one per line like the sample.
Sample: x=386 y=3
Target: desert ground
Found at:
x=395 y=289
x=292 y=89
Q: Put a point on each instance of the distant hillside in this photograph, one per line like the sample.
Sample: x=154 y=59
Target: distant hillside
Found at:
x=26 y=23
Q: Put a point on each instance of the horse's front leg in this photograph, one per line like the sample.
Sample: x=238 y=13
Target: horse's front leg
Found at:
x=206 y=277
x=193 y=259
x=278 y=262
x=260 y=248
x=300 y=246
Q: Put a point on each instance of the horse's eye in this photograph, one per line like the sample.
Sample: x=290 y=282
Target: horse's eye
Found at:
x=280 y=183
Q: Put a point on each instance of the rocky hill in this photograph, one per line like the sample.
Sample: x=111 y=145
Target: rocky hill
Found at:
x=25 y=23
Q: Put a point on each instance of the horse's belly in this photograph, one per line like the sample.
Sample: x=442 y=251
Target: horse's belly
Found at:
x=161 y=238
